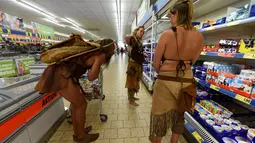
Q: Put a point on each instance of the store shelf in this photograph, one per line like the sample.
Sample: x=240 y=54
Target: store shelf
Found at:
x=198 y=131
x=241 y=98
x=230 y=24
x=147 y=81
x=237 y=55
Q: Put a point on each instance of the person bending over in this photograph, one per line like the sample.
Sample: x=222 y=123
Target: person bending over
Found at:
x=64 y=79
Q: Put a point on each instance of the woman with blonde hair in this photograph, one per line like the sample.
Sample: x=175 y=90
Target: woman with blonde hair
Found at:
x=178 y=48
x=135 y=69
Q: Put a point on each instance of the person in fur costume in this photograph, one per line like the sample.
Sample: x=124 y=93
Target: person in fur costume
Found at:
x=63 y=78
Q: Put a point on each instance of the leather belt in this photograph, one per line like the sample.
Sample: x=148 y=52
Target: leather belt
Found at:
x=176 y=79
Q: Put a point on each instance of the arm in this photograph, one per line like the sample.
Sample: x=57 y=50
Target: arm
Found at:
x=159 y=51
x=94 y=72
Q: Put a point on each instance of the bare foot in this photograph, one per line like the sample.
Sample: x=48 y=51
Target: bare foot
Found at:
x=133 y=103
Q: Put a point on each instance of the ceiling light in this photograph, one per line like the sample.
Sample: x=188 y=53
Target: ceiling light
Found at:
x=54 y=22
x=73 y=22
x=78 y=29
x=35 y=8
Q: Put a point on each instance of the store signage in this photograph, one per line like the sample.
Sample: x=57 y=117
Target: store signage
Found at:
x=159 y=5
x=23 y=65
x=7 y=68
x=142 y=10
x=12 y=22
x=47 y=99
x=42 y=29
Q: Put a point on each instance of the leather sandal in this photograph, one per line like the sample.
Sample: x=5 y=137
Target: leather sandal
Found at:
x=88 y=138
x=86 y=130
x=133 y=103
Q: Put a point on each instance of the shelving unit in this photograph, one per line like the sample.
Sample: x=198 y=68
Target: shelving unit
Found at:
x=207 y=9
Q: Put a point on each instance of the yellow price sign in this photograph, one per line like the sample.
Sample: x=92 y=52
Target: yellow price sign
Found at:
x=8 y=31
x=210 y=28
x=30 y=33
x=1 y=30
x=214 y=87
x=243 y=99
x=233 y=23
x=203 y=53
x=249 y=56
x=27 y=34
x=198 y=137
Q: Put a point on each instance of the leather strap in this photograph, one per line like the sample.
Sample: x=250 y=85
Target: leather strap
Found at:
x=176 y=79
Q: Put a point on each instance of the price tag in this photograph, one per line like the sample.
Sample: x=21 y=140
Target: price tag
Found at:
x=27 y=34
x=1 y=30
x=243 y=99
x=203 y=53
x=233 y=23
x=30 y=34
x=249 y=56
x=210 y=28
x=198 y=137
x=8 y=31
x=214 y=87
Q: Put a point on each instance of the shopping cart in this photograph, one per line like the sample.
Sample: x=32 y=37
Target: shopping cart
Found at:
x=93 y=90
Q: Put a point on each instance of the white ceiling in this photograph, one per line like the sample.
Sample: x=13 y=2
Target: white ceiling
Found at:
x=96 y=16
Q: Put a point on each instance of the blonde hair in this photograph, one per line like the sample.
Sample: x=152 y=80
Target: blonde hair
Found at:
x=185 y=13
x=135 y=31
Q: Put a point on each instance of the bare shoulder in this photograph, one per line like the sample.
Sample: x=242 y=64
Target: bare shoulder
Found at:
x=167 y=34
x=199 y=36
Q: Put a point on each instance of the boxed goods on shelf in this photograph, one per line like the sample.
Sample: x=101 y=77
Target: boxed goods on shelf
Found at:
x=238 y=13
x=218 y=121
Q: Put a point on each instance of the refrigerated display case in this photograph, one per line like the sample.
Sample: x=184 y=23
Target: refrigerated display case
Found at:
x=25 y=115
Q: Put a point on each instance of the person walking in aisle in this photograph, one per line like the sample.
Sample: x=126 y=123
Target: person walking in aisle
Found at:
x=177 y=49
x=63 y=78
x=135 y=69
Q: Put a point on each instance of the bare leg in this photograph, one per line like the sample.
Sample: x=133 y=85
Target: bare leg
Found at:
x=80 y=119
x=73 y=115
x=131 y=97
x=174 y=138
x=158 y=140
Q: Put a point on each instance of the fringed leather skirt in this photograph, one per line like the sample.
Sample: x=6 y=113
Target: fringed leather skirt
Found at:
x=164 y=114
x=134 y=75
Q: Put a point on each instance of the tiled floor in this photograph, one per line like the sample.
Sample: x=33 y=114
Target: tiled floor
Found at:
x=125 y=124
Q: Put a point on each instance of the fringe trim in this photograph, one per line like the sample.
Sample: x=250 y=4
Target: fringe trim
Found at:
x=160 y=124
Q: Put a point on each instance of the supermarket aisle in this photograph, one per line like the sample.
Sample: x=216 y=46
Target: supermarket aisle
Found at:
x=125 y=124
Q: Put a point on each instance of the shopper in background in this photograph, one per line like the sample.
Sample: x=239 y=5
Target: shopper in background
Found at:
x=134 y=70
x=177 y=49
x=63 y=78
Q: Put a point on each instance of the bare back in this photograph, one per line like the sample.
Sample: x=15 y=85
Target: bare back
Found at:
x=190 y=44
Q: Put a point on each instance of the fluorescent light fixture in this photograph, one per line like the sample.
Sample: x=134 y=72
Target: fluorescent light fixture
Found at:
x=196 y=1
x=35 y=8
x=54 y=22
x=78 y=29
x=118 y=5
x=61 y=34
x=73 y=22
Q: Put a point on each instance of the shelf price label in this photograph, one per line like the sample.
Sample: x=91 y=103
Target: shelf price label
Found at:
x=210 y=28
x=214 y=87
x=1 y=30
x=27 y=34
x=233 y=23
x=249 y=56
x=243 y=99
x=198 y=137
x=8 y=31
x=203 y=53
